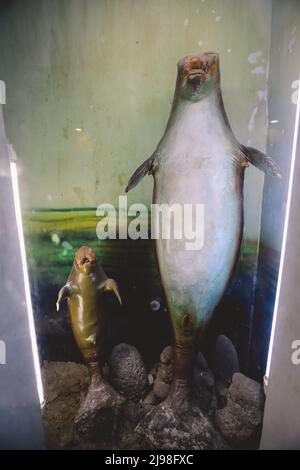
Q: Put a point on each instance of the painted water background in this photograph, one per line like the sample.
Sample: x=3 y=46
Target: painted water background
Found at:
x=53 y=236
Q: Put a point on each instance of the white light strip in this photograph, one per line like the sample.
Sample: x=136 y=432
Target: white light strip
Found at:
x=14 y=177
x=286 y=223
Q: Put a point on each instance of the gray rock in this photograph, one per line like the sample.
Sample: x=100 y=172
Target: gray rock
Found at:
x=63 y=378
x=128 y=372
x=241 y=417
x=161 y=389
x=131 y=415
x=166 y=356
x=201 y=377
x=165 y=373
x=150 y=379
x=64 y=384
x=221 y=392
x=165 y=428
x=226 y=361
x=246 y=392
x=151 y=399
x=153 y=372
x=203 y=388
x=201 y=362
x=98 y=415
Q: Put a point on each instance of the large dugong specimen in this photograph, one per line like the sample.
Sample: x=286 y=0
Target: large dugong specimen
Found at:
x=84 y=290
x=198 y=161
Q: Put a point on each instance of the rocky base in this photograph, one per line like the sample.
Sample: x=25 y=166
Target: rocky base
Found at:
x=129 y=410
x=65 y=385
x=166 y=428
x=99 y=412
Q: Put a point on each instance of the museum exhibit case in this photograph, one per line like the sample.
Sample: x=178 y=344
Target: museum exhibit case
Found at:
x=148 y=154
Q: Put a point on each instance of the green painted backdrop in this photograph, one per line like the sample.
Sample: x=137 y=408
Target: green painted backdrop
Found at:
x=109 y=68
x=89 y=90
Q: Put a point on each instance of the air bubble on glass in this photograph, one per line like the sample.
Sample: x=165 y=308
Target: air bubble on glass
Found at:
x=67 y=245
x=55 y=238
x=154 y=305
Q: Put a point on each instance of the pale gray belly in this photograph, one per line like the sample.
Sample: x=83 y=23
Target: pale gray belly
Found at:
x=194 y=280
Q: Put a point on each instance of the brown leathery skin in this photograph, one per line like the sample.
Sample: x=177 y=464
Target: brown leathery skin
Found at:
x=84 y=290
x=183 y=361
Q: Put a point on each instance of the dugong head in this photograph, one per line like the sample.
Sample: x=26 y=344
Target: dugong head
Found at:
x=198 y=74
x=85 y=260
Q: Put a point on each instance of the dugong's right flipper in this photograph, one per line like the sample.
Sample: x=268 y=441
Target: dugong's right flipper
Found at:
x=144 y=169
x=63 y=294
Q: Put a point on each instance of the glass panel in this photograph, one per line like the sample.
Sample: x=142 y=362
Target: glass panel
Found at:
x=89 y=88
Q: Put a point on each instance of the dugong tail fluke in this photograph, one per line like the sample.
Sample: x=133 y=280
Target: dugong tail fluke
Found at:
x=199 y=161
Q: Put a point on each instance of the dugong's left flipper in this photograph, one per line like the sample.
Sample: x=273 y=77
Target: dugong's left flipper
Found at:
x=261 y=161
x=146 y=168
x=111 y=285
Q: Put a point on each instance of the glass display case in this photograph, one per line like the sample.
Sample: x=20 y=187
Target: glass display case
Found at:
x=88 y=89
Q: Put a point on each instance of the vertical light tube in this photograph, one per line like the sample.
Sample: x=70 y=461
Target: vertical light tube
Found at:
x=14 y=177
x=286 y=223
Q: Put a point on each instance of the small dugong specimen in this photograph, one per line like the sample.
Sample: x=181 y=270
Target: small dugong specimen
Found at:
x=198 y=161
x=84 y=290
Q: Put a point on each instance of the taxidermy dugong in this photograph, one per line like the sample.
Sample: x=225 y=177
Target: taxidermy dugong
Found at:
x=84 y=290
x=199 y=161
